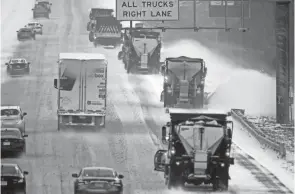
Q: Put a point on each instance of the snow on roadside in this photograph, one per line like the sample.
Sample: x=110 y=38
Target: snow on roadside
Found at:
x=14 y=15
x=265 y=157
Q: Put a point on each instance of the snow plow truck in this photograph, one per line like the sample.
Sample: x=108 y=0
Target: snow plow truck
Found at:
x=141 y=51
x=82 y=85
x=184 y=82
x=104 y=29
x=199 y=148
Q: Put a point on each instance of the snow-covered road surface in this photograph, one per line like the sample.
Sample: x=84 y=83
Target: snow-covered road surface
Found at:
x=134 y=118
x=14 y=15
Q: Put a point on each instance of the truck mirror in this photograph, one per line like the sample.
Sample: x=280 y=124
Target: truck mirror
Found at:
x=55 y=83
x=162 y=96
x=165 y=136
x=163 y=69
x=160 y=160
x=229 y=132
x=120 y=55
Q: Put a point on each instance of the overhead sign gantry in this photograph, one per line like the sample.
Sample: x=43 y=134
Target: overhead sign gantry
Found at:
x=168 y=10
x=147 y=10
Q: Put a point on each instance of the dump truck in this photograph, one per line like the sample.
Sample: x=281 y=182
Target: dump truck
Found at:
x=42 y=9
x=82 y=87
x=141 y=51
x=184 y=82
x=199 y=148
x=104 y=29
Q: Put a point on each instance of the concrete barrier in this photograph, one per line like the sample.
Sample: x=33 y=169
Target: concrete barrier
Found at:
x=238 y=114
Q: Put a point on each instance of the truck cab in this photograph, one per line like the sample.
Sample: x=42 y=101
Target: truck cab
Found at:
x=141 y=51
x=199 y=147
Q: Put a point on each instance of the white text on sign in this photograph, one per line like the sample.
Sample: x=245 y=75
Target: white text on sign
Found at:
x=147 y=10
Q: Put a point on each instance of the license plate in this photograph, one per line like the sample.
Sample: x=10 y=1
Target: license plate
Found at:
x=3 y=183
x=82 y=117
x=6 y=143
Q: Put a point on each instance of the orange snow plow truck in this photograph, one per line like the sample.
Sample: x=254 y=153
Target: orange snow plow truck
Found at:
x=184 y=82
x=104 y=29
x=82 y=85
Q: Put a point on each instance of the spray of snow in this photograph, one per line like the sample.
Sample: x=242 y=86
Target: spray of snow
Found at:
x=231 y=86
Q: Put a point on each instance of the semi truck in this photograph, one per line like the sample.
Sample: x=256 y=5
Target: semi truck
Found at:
x=184 y=82
x=141 y=51
x=82 y=87
x=104 y=29
x=198 y=148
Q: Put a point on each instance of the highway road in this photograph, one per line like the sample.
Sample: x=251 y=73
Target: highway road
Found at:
x=127 y=143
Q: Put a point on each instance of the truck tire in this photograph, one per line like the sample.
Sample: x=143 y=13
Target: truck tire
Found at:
x=171 y=181
x=224 y=178
x=90 y=37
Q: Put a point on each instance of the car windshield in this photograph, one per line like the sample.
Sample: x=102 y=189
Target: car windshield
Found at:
x=9 y=112
x=31 y=24
x=10 y=133
x=10 y=170
x=98 y=173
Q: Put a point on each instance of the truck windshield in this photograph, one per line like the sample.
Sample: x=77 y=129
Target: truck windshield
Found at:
x=184 y=71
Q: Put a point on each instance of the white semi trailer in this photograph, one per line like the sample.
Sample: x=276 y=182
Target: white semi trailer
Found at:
x=82 y=89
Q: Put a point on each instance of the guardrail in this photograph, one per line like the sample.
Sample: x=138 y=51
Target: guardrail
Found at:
x=238 y=114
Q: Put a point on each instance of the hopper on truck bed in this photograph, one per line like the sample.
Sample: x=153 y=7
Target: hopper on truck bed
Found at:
x=184 y=82
x=199 y=145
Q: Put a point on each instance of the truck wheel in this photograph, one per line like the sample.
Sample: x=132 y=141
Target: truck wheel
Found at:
x=90 y=37
x=224 y=177
x=170 y=179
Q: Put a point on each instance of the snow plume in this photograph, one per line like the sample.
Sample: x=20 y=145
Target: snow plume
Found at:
x=232 y=87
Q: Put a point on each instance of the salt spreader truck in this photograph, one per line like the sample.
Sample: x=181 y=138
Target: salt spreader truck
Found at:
x=199 y=148
x=184 y=82
x=82 y=85
x=141 y=51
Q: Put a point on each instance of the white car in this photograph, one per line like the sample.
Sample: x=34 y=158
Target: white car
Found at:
x=13 y=117
x=36 y=26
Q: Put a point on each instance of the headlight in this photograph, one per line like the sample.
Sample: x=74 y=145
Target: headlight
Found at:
x=19 y=122
x=20 y=181
x=227 y=153
x=177 y=163
x=169 y=89
x=173 y=150
x=166 y=78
